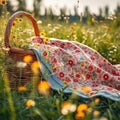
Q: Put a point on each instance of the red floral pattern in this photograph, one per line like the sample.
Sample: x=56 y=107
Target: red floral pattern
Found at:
x=79 y=65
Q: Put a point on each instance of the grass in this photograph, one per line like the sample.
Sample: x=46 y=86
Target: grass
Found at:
x=29 y=103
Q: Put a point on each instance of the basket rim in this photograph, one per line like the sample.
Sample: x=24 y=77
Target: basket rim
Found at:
x=22 y=51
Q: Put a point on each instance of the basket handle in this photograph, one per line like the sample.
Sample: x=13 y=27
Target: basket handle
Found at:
x=10 y=22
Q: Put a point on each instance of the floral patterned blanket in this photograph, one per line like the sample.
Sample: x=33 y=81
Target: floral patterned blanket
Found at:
x=82 y=69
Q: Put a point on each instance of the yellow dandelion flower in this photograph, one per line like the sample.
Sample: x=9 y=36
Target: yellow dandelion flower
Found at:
x=44 y=87
x=82 y=107
x=66 y=103
x=27 y=58
x=42 y=34
x=35 y=67
x=14 y=36
x=22 y=88
x=21 y=41
x=96 y=113
x=3 y=2
x=46 y=39
x=79 y=115
x=71 y=27
x=114 y=60
x=86 y=89
x=14 y=23
x=97 y=100
x=36 y=45
x=30 y=103
x=20 y=19
x=16 y=19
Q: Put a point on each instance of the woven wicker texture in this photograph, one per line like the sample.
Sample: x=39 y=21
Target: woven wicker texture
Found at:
x=18 y=76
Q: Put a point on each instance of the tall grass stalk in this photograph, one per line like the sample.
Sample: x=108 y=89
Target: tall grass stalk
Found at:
x=9 y=95
x=34 y=82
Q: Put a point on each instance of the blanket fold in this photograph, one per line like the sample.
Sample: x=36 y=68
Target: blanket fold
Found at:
x=82 y=69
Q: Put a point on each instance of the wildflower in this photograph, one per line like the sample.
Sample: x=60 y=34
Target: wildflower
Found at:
x=96 y=113
x=21 y=64
x=20 y=19
x=80 y=115
x=71 y=27
x=3 y=2
x=97 y=100
x=27 y=58
x=64 y=111
x=72 y=108
x=89 y=110
x=114 y=60
x=46 y=39
x=103 y=118
x=51 y=31
x=14 y=23
x=49 y=25
x=35 y=67
x=86 y=89
x=36 y=45
x=22 y=88
x=30 y=103
x=74 y=23
x=82 y=107
x=44 y=87
x=42 y=34
x=68 y=107
x=14 y=36
x=39 y=22
x=21 y=41
x=6 y=49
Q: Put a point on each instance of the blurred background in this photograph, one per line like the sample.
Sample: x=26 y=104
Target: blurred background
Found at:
x=74 y=10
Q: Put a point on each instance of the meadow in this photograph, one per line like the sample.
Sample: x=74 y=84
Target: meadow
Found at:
x=29 y=103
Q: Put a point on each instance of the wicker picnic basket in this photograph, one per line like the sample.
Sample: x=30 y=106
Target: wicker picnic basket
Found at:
x=15 y=54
